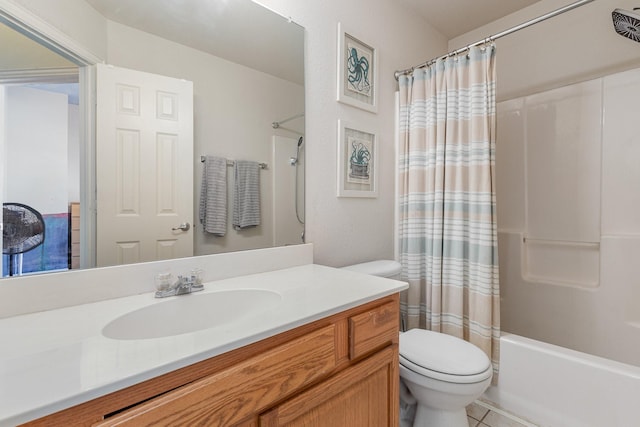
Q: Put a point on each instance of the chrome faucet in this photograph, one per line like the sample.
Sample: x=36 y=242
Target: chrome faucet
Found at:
x=184 y=285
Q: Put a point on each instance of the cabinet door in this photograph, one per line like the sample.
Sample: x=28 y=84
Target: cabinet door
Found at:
x=364 y=395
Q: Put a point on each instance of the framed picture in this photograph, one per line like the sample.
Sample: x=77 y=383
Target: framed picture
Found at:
x=357 y=162
x=357 y=72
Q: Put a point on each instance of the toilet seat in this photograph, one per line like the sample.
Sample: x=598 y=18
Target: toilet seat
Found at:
x=443 y=357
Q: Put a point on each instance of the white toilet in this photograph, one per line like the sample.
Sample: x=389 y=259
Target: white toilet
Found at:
x=443 y=373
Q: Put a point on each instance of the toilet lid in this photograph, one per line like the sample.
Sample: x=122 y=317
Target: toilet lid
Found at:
x=440 y=354
x=380 y=268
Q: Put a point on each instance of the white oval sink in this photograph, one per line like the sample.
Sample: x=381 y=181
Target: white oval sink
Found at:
x=191 y=313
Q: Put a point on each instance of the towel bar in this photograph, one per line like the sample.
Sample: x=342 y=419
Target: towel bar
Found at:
x=231 y=162
x=561 y=242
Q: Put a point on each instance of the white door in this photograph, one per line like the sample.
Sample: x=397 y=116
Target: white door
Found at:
x=144 y=167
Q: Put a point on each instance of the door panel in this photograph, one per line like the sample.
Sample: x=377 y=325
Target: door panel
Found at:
x=144 y=168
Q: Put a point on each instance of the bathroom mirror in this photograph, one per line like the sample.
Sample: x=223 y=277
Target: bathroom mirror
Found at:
x=247 y=68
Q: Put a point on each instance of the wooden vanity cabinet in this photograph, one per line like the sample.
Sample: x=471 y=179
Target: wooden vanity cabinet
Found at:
x=359 y=396
x=338 y=371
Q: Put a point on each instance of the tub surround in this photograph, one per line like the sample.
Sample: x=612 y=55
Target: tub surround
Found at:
x=55 y=359
x=571 y=278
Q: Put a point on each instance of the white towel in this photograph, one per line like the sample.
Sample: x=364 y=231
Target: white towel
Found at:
x=213 y=196
x=246 y=199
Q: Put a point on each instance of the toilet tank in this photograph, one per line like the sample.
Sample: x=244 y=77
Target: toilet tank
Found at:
x=381 y=268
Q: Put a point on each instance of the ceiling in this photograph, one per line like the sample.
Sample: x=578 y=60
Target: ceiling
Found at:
x=224 y=28
x=456 y=17
x=213 y=25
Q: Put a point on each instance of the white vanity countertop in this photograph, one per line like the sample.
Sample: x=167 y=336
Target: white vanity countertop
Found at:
x=56 y=359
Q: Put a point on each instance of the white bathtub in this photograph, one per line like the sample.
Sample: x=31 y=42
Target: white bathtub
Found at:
x=555 y=386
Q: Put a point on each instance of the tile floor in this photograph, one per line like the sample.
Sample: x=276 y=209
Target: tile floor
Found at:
x=482 y=414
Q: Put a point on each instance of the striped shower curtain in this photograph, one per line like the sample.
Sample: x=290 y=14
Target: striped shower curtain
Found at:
x=447 y=221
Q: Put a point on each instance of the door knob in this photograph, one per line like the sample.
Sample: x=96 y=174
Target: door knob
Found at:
x=184 y=227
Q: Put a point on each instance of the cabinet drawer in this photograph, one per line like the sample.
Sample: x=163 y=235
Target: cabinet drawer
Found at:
x=232 y=395
x=373 y=329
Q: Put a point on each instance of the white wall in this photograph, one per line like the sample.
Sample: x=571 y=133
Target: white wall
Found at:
x=22 y=53
x=343 y=230
x=576 y=46
x=233 y=111
x=77 y=19
x=3 y=170
x=36 y=122
x=74 y=153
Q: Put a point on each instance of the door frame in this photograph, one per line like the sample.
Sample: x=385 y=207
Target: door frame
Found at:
x=42 y=32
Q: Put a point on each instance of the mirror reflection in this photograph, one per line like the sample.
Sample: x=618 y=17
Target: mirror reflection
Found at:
x=245 y=66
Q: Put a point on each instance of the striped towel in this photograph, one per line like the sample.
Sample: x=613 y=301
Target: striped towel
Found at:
x=246 y=200
x=213 y=196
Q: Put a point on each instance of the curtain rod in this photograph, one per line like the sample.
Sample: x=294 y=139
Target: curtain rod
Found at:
x=277 y=124
x=489 y=39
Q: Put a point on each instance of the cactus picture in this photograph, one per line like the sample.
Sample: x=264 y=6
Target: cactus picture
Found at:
x=357 y=160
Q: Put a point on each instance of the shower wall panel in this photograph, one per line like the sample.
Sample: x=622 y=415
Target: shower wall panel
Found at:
x=562 y=150
x=621 y=154
x=568 y=202
x=287 y=230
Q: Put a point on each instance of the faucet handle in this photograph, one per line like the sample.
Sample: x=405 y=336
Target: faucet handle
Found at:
x=196 y=278
x=163 y=281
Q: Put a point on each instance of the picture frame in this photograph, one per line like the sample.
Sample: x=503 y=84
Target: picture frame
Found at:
x=357 y=72
x=357 y=161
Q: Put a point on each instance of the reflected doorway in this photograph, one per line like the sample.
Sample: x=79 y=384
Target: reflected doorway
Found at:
x=40 y=145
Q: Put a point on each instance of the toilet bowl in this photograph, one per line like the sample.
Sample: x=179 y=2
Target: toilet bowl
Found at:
x=442 y=373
